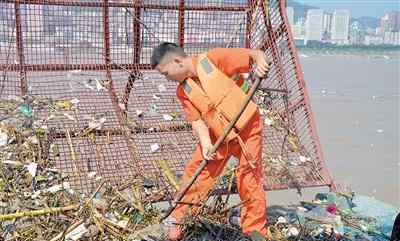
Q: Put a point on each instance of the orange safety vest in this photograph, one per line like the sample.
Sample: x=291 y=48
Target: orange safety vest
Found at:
x=218 y=98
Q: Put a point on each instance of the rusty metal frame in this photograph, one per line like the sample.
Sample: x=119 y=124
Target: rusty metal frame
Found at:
x=181 y=23
x=20 y=49
x=248 y=25
x=136 y=53
x=107 y=60
x=66 y=67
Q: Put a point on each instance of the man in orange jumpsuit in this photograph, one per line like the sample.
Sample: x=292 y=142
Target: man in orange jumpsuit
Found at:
x=171 y=61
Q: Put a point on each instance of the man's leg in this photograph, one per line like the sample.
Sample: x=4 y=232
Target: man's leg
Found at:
x=204 y=181
x=250 y=181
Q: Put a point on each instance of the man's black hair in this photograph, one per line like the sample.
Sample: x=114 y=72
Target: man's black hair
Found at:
x=162 y=50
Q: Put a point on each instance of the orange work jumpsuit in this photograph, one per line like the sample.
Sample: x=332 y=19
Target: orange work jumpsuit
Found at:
x=250 y=181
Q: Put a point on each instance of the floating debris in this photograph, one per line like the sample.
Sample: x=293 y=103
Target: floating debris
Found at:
x=155 y=147
x=153 y=108
x=56 y=210
x=76 y=233
x=26 y=110
x=100 y=85
x=268 y=121
x=38 y=201
x=3 y=138
x=139 y=113
x=32 y=168
x=304 y=159
x=65 y=104
x=281 y=220
x=115 y=213
x=97 y=123
x=162 y=88
x=92 y=174
x=168 y=117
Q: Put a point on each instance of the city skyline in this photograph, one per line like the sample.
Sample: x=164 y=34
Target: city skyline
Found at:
x=359 y=8
x=339 y=28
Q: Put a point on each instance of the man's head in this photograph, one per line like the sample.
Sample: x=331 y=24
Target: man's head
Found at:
x=168 y=59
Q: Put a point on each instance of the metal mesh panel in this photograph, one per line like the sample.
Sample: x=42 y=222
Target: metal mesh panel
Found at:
x=202 y=30
x=97 y=54
x=8 y=35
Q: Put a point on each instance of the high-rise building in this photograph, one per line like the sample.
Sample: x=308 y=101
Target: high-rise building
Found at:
x=390 y=22
x=299 y=29
x=391 y=38
x=326 y=26
x=355 y=33
x=373 y=40
x=290 y=15
x=395 y=20
x=314 y=25
x=340 y=26
x=327 y=23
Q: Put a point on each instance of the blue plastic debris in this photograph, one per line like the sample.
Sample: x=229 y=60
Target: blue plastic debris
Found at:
x=384 y=213
x=362 y=218
x=26 y=110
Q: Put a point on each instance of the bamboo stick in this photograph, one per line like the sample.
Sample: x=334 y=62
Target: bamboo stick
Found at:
x=166 y=169
x=71 y=149
x=37 y=212
x=69 y=229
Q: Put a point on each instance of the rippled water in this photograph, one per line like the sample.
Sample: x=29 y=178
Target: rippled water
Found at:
x=356 y=106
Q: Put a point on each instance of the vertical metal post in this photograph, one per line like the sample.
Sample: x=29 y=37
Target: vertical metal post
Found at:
x=271 y=39
x=136 y=32
x=181 y=23
x=20 y=49
x=137 y=46
x=107 y=57
x=249 y=22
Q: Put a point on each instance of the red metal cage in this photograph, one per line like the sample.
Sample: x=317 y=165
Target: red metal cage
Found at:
x=97 y=53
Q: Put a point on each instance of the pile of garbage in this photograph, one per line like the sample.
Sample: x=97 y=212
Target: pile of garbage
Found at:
x=37 y=201
x=329 y=217
x=335 y=216
x=36 y=198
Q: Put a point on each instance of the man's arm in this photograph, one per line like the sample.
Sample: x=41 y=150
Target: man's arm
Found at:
x=200 y=127
x=233 y=61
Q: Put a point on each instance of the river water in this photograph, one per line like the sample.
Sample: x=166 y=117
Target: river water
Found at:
x=356 y=106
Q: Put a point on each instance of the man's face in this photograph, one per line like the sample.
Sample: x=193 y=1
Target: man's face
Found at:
x=172 y=68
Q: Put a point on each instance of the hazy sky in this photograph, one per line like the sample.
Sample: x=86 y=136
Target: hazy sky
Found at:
x=358 y=8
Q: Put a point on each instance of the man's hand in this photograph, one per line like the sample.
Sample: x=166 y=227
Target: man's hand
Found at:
x=262 y=64
x=206 y=151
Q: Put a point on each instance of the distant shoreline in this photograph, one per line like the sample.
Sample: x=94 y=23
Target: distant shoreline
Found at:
x=370 y=53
